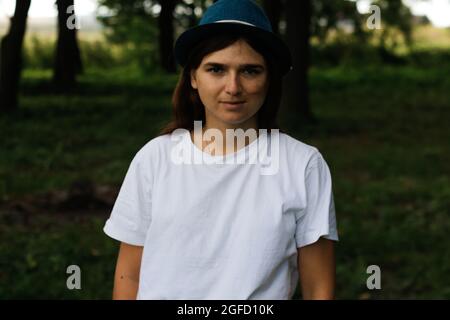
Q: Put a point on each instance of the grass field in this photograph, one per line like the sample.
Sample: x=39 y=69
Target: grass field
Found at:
x=383 y=131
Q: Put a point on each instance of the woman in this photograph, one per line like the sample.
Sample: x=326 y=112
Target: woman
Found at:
x=247 y=221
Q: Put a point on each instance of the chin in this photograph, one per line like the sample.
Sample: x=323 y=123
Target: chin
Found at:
x=234 y=120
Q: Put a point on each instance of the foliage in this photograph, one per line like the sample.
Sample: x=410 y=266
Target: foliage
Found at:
x=328 y=16
x=382 y=130
x=395 y=16
x=134 y=24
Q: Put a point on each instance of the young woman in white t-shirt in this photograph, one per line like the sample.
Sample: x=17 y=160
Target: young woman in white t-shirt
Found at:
x=220 y=228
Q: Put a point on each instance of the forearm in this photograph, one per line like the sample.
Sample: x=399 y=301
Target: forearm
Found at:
x=126 y=277
x=319 y=284
x=125 y=287
x=318 y=293
x=317 y=270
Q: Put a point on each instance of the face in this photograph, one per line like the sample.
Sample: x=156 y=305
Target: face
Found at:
x=232 y=84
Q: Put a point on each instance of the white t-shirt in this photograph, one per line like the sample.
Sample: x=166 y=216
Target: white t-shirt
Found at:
x=225 y=230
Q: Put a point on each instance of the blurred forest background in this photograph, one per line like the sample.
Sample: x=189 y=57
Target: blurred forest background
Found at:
x=77 y=104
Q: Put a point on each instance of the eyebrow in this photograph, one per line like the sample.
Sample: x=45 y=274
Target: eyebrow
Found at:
x=247 y=65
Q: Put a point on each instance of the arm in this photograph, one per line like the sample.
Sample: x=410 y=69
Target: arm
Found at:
x=126 y=279
x=317 y=270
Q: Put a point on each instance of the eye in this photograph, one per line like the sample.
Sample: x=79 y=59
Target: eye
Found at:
x=214 y=69
x=252 y=71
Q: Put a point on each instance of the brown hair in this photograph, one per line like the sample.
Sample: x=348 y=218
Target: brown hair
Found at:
x=187 y=106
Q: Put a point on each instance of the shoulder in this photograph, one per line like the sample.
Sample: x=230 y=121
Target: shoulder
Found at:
x=297 y=151
x=151 y=152
x=156 y=145
x=159 y=149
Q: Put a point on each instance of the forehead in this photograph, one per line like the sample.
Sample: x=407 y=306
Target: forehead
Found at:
x=238 y=53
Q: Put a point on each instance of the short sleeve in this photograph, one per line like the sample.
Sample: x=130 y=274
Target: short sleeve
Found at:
x=131 y=214
x=318 y=218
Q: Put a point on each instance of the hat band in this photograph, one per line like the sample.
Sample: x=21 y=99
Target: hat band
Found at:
x=235 y=21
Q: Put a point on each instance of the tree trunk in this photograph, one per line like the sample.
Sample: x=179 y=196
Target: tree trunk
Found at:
x=295 y=106
x=273 y=10
x=67 y=58
x=166 y=35
x=11 y=57
x=192 y=19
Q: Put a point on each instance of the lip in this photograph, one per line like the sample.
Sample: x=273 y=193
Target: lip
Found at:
x=233 y=105
x=233 y=102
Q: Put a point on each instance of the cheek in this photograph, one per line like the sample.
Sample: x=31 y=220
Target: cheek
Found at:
x=208 y=86
x=258 y=90
x=208 y=92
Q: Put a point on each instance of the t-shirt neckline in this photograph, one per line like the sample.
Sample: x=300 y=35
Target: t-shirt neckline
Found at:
x=240 y=156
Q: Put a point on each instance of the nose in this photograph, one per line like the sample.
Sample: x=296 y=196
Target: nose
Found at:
x=233 y=85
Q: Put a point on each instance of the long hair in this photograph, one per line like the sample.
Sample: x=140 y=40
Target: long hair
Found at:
x=186 y=103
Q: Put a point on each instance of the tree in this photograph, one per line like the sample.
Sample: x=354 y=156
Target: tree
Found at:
x=139 y=22
x=67 y=58
x=327 y=15
x=396 y=17
x=273 y=9
x=166 y=35
x=133 y=23
x=11 y=57
x=295 y=104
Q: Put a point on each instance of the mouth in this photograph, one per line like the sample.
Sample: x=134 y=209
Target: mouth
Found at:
x=233 y=105
x=233 y=102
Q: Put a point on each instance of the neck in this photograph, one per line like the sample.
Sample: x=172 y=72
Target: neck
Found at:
x=228 y=145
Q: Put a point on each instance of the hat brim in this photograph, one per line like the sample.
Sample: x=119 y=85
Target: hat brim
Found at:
x=276 y=46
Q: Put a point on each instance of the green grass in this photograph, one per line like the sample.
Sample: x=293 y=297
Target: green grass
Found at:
x=385 y=135
x=36 y=256
x=383 y=131
x=58 y=139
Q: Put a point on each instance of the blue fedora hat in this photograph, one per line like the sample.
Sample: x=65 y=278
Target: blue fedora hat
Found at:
x=235 y=16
